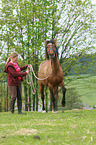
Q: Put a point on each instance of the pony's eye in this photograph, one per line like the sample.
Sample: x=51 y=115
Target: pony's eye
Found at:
x=48 y=48
x=54 y=47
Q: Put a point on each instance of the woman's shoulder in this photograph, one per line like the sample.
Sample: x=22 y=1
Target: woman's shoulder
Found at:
x=7 y=66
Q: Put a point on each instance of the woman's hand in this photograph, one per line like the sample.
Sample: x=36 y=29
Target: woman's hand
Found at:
x=27 y=71
x=29 y=65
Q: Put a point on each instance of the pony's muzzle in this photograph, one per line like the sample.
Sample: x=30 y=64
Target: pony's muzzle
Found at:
x=52 y=55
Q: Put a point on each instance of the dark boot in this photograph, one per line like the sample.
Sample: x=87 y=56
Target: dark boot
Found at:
x=12 y=103
x=19 y=103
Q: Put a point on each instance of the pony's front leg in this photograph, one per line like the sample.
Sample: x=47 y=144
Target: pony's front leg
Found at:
x=42 y=97
x=53 y=102
x=53 y=91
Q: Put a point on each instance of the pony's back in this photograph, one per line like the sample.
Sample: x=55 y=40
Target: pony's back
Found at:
x=44 y=69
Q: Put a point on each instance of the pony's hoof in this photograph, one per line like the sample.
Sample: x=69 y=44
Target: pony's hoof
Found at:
x=63 y=104
x=54 y=111
x=43 y=111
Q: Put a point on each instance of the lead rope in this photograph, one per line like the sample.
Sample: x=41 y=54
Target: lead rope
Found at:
x=31 y=80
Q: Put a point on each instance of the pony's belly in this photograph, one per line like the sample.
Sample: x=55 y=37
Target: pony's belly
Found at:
x=55 y=81
x=43 y=82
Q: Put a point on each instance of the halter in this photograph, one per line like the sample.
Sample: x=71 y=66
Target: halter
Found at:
x=51 y=48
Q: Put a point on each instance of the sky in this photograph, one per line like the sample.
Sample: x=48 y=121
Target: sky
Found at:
x=93 y=1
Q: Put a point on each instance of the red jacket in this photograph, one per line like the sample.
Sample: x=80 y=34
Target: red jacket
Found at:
x=12 y=75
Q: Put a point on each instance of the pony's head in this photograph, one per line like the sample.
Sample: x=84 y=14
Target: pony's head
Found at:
x=51 y=48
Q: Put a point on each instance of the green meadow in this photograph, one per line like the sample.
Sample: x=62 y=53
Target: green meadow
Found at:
x=85 y=85
x=37 y=128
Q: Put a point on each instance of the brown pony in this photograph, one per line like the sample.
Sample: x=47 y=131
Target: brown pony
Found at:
x=51 y=73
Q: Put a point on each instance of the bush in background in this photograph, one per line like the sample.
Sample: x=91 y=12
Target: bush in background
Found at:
x=73 y=100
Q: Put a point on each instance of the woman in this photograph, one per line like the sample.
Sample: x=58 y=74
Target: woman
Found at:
x=14 y=78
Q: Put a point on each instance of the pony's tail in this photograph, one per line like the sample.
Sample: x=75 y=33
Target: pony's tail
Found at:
x=8 y=60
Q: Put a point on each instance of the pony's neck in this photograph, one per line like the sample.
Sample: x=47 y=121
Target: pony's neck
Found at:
x=55 y=64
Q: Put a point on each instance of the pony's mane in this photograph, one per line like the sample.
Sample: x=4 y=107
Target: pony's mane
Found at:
x=53 y=41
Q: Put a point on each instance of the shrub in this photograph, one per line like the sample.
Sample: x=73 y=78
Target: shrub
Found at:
x=72 y=99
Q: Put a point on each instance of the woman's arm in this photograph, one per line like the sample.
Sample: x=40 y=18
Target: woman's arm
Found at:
x=13 y=72
x=23 y=67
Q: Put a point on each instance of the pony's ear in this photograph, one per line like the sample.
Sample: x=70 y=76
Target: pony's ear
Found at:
x=45 y=42
x=46 y=54
x=55 y=40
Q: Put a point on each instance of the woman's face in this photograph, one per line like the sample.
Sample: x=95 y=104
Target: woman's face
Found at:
x=14 y=59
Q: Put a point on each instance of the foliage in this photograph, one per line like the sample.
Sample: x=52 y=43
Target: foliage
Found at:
x=76 y=32
x=73 y=100
x=68 y=127
x=76 y=65
x=27 y=24
x=84 y=65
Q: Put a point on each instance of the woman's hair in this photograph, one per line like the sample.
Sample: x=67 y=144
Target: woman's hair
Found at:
x=13 y=55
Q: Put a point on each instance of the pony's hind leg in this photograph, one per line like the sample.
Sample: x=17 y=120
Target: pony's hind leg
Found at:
x=63 y=102
x=42 y=97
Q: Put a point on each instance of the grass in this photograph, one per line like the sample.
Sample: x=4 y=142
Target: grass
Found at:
x=85 y=86
x=36 y=128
